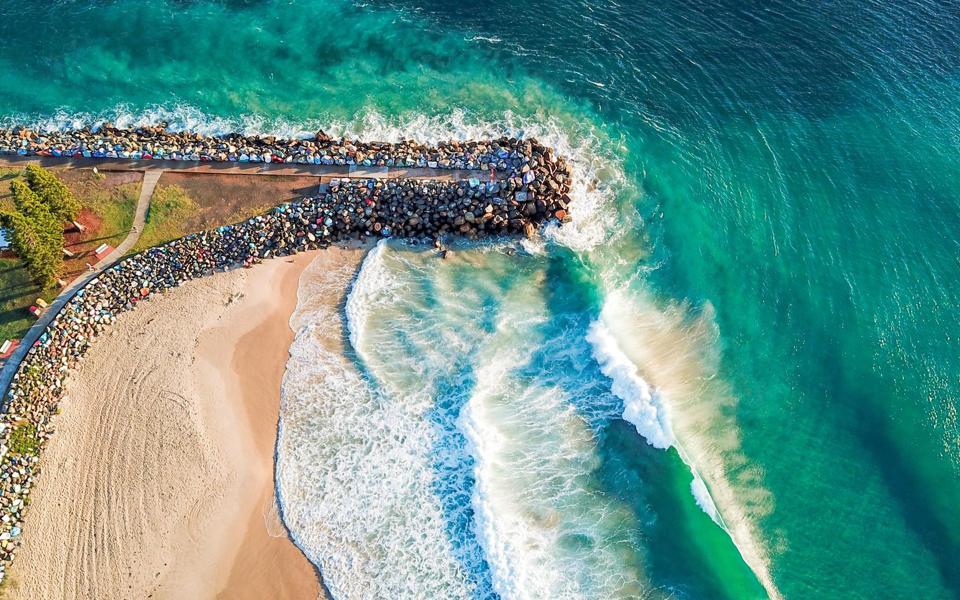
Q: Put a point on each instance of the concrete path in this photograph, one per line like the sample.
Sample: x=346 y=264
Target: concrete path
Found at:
x=150 y=179
x=325 y=172
x=147 y=187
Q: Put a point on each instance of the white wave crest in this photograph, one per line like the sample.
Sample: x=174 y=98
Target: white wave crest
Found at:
x=632 y=331
x=642 y=406
x=373 y=285
x=355 y=469
x=704 y=500
x=544 y=533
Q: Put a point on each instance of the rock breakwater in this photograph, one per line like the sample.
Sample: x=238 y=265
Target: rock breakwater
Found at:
x=157 y=143
x=533 y=190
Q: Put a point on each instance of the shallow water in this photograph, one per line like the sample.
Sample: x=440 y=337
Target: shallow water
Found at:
x=735 y=375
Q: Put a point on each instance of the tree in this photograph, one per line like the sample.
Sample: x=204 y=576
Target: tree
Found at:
x=23 y=235
x=61 y=201
x=37 y=234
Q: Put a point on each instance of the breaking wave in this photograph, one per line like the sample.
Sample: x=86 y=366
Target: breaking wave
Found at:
x=326 y=386
x=688 y=407
x=355 y=465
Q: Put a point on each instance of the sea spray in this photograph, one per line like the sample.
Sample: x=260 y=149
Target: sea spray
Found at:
x=838 y=318
x=642 y=406
x=463 y=377
x=546 y=530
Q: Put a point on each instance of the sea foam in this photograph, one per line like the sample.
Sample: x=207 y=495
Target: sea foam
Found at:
x=545 y=530
x=354 y=469
x=642 y=405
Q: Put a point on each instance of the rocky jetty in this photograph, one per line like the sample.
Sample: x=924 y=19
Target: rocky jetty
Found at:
x=157 y=143
x=532 y=190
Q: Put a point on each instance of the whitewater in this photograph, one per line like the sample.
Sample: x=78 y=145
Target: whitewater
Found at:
x=442 y=445
x=732 y=376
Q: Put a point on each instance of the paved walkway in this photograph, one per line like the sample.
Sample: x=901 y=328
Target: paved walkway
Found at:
x=149 y=184
x=325 y=172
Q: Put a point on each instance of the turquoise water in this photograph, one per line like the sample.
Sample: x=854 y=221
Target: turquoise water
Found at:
x=762 y=270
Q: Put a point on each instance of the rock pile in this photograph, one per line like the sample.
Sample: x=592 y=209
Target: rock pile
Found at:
x=157 y=143
x=534 y=191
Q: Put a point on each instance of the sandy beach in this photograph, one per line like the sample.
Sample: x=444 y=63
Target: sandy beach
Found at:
x=159 y=482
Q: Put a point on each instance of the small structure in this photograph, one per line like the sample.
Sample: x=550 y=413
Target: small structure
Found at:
x=68 y=253
x=78 y=226
x=7 y=348
x=41 y=303
x=102 y=251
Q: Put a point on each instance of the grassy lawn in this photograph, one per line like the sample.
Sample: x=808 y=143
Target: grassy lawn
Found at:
x=17 y=293
x=109 y=203
x=185 y=203
x=171 y=211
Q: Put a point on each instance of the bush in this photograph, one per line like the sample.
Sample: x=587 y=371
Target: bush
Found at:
x=23 y=440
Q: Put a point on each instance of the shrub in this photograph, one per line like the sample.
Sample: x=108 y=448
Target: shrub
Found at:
x=36 y=232
x=23 y=439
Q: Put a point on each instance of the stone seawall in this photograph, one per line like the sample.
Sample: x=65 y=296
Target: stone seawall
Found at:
x=157 y=143
x=533 y=191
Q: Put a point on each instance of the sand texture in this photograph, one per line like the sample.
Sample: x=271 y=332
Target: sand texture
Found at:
x=159 y=481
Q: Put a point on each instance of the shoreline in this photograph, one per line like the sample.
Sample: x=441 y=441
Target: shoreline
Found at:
x=190 y=512
x=350 y=210
x=256 y=380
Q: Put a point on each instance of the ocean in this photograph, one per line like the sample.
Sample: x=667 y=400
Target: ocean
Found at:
x=733 y=375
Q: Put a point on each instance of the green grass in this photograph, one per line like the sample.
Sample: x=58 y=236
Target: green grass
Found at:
x=115 y=208
x=23 y=439
x=17 y=292
x=171 y=208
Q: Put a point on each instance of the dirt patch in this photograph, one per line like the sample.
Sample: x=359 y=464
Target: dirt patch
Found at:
x=225 y=199
x=91 y=223
x=109 y=199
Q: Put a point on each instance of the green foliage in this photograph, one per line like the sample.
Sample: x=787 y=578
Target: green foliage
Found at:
x=23 y=235
x=60 y=200
x=23 y=439
x=36 y=233
x=28 y=203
